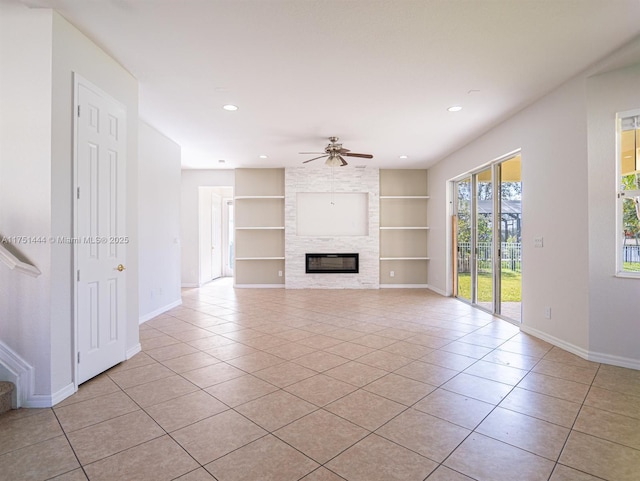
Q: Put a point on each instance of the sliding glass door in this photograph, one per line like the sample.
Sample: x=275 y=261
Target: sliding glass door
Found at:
x=482 y=275
x=510 y=239
x=487 y=224
x=462 y=232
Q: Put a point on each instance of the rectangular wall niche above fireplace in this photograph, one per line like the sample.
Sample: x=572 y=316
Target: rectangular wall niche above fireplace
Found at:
x=331 y=263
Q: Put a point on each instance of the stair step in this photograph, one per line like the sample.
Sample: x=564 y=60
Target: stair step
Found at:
x=6 y=396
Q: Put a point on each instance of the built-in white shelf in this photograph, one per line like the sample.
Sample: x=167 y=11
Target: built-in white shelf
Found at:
x=259 y=258
x=404 y=197
x=242 y=197
x=261 y=228
x=404 y=228
x=405 y=258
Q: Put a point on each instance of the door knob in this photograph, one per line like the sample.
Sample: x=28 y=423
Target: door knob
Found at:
x=120 y=267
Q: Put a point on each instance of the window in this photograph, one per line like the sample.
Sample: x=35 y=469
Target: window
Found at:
x=628 y=208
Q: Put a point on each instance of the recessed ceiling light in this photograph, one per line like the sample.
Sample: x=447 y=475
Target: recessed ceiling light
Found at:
x=404 y=157
x=221 y=161
x=230 y=107
x=454 y=108
x=263 y=156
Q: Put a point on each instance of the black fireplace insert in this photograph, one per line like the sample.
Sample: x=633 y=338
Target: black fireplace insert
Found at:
x=331 y=263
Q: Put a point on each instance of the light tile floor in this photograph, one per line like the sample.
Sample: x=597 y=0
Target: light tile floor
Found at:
x=318 y=385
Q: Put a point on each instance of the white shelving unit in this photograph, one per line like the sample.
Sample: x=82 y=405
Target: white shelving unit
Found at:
x=242 y=197
x=404 y=197
x=403 y=228
x=259 y=228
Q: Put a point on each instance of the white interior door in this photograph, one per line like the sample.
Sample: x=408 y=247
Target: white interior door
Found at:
x=99 y=231
x=216 y=236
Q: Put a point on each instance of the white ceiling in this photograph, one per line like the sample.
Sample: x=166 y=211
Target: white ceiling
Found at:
x=379 y=74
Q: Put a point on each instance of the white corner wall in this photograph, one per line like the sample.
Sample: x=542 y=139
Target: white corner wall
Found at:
x=192 y=180
x=614 y=302
x=568 y=173
x=159 y=222
x=36 y=175
x=552 y=136
x=25 y=187
x=74 y=52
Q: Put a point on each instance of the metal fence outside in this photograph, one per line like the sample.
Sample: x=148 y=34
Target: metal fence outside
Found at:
x=511 y=256
x=631 y=253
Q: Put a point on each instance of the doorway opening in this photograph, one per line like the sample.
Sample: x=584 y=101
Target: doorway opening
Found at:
x=215 y=212
x=487 y=236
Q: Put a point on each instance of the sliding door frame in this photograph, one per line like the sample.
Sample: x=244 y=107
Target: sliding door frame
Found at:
x=496 y=183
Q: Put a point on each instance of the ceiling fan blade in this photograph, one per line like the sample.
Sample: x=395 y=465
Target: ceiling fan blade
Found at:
x=344 y=162
x=363 y=156
x=316 y=158
x=344 y=151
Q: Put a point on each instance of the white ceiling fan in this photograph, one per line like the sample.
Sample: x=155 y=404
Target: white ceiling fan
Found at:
x=334 y=154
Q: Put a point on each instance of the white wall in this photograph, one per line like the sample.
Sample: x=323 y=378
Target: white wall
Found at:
x=159 y=222
x=40 y=52
x=192 y=180
x=552 y=136
x=73 y=52
x=25 y=183
x=568 y=198
x=614 y=302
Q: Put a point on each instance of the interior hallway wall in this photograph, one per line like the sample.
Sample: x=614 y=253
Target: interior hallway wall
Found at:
x=159 y=222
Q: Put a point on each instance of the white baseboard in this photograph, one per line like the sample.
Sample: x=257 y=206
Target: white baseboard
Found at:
x=259 y=286
x=615 y=360
x=581 y=352
x=404 y=286
x=189 y=284
x=20 y=373
x=45 y=401
x=572 y=348
x=161 y=310
x=438 y=291
x=63 y=394
x=132 y=351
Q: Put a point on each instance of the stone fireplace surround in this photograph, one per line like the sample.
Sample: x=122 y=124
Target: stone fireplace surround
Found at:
x=322 y=179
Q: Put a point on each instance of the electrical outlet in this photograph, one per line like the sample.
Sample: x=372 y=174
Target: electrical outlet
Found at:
x=279 y=273
x=392 y=274
x=547 y=312
x=538 y=242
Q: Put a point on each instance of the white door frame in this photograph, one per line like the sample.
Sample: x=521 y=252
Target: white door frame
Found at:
x=227 y=271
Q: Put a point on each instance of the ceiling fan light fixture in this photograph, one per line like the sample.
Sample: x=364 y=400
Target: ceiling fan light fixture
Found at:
x=333 y=161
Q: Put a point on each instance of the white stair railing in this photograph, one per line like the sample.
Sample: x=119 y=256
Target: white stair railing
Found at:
x=12 y=262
